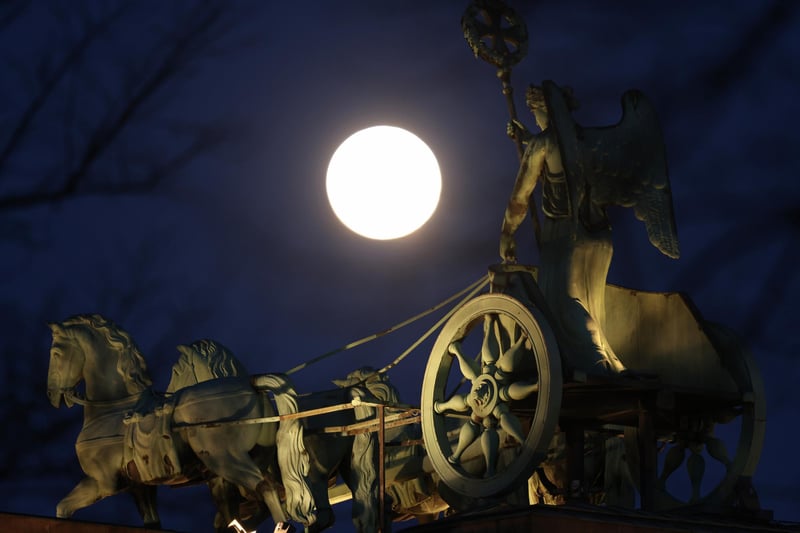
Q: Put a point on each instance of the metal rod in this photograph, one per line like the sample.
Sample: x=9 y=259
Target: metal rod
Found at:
x=367 y=426
x=381 y=466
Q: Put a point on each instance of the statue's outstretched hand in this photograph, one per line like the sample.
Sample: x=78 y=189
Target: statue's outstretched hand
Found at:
x=508 y=249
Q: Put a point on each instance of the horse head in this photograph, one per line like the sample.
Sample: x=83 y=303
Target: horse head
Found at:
x=92 y=349
x=376 y=383
x=381 y=389
x=203 y=360
x=65 y=371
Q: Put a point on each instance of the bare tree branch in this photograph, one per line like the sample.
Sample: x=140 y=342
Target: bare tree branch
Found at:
x=177 y=59
x=146 y=75
x=201 y=144
x=11 y=11
x=53 y=78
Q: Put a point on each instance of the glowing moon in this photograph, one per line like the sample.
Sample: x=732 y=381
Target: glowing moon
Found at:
x=383 y=182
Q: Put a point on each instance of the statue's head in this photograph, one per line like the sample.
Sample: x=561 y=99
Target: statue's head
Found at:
x=534 y=99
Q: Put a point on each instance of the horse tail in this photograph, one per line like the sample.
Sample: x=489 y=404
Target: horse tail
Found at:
x=293 y=459
x=363 y=469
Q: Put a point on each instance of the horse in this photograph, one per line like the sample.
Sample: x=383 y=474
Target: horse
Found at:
x=411 y=493
x=206 y=360
x=121 y=425
x=355 y=457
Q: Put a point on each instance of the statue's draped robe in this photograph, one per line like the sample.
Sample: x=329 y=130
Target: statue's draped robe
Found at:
x=572 y=278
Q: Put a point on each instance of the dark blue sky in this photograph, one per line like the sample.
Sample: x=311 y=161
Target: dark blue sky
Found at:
x=241 y=245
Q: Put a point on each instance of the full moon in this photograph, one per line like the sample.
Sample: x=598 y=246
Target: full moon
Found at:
x=383 y=182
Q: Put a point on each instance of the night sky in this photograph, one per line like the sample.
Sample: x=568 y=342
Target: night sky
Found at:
x=238 y=243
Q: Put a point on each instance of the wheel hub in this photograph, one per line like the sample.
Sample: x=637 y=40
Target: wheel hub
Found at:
x=484 y=395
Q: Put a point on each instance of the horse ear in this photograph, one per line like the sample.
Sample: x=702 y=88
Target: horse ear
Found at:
x=341 y=383
x=56 y=328
x=185 y=350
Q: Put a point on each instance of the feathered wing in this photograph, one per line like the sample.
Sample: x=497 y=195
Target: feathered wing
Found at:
x=654 y=198
x=626 y=165
x=654 y=208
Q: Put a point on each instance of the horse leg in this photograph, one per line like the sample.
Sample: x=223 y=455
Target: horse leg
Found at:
x=226 y=498
x=86 y=492
x=145 y=498
x=318 y=483
x=240 y=470
x=230 y=504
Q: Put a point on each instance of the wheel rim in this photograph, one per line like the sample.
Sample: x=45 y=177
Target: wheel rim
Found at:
x=487 y=435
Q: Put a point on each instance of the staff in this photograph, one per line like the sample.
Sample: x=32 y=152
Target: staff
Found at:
x=502 y=47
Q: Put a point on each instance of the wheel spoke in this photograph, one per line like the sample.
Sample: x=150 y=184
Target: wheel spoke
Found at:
x=696 y=467
x=510 y=359
x=519 y=390
x=457 y=403
x=491 y=346
x=672 y=461
x=490 y=444
x=469 y=369
x=716 y=449
x=460 y=382
x=509 y=422
x=469 y=433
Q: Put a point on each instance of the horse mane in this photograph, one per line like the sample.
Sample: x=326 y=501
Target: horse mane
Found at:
x=217 y=358
x=131 y=363
x=377 y=384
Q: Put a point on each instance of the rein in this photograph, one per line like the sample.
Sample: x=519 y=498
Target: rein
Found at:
x=470 y=291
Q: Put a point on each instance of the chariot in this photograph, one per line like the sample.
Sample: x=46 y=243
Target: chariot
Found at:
x=491 y=422
x=504 y=397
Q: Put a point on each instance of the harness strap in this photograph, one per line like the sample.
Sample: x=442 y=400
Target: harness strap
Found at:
x=74 y=397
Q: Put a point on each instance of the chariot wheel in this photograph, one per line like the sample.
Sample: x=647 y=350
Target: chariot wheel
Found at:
x=491 y=396
x=695 y=467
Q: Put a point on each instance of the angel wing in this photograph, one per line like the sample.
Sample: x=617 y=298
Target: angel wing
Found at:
x=624 y=164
